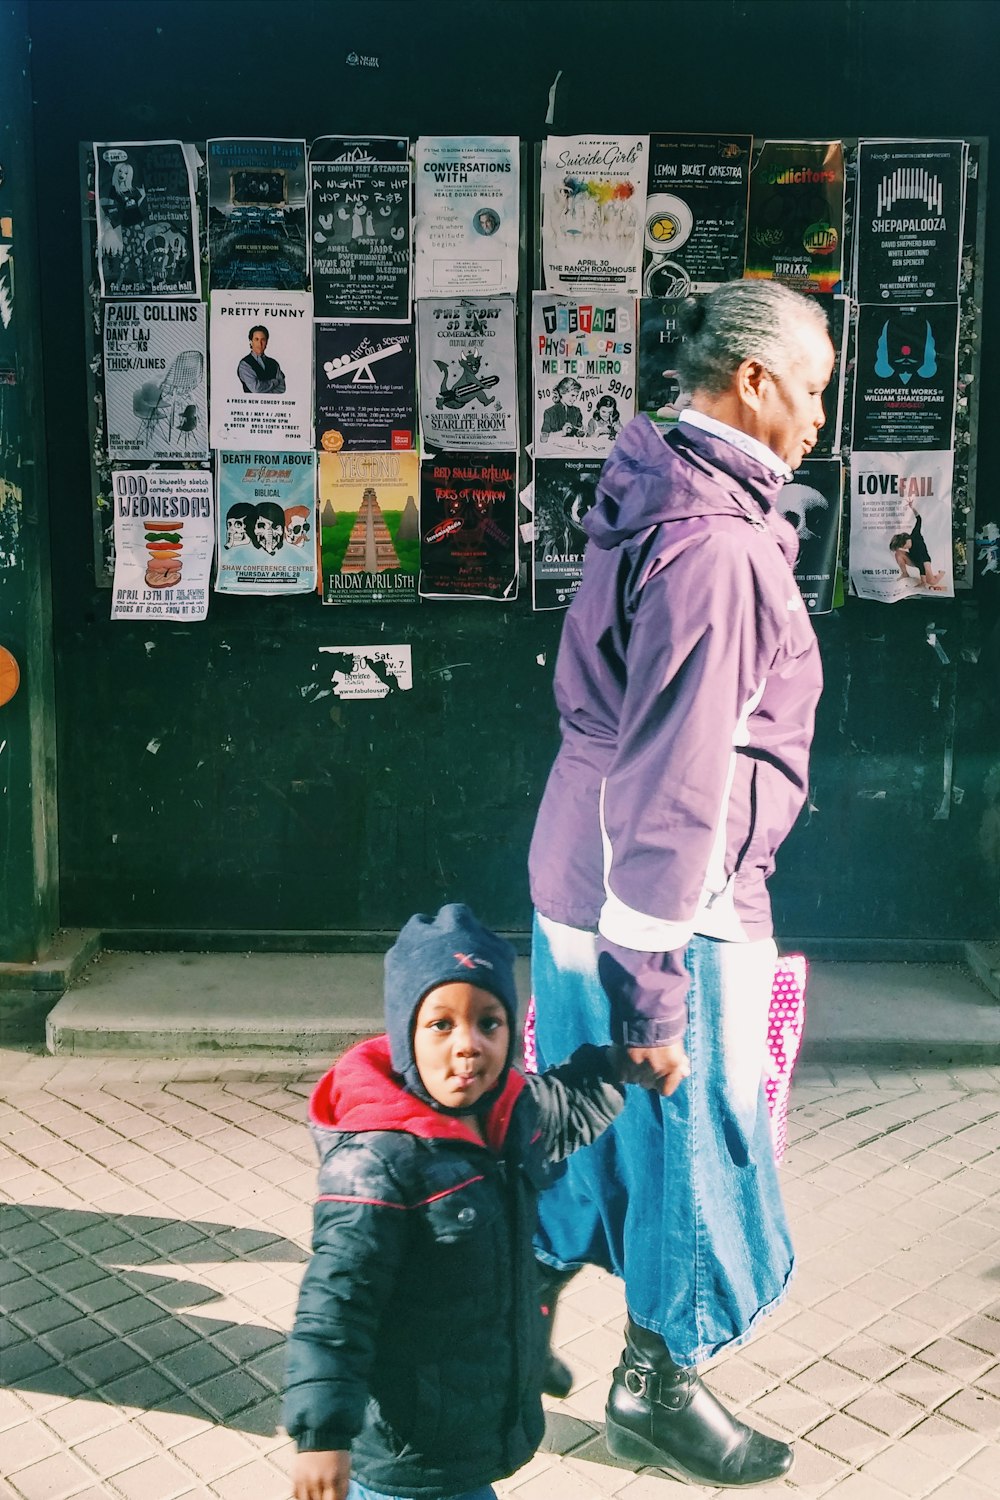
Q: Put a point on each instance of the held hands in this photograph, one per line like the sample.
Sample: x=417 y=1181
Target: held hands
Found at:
x=321 y=1475
x=662 y=1069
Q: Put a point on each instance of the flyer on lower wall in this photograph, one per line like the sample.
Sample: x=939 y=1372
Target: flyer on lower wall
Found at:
x=156 y=394
x=468 y=526
x=468 y=373
x=911 y=202
x=795 y=228
x=564 y=491
x=904 y=378
x=593 y=212
x=366 y=387
x=583 y=356
x=257 y=231
x=164 y=530
x=267 y=513
x=361 y=231
x=696 y=213
x=369 y=527
x=812 y=503
x=901 y=525
x=261 y=349
x=658 y=377
x=147 y=234
x=467 y=224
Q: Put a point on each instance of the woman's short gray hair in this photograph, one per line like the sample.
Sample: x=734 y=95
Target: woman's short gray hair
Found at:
x=742 y=320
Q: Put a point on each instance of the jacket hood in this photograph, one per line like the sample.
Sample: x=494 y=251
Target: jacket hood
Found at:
x=650 y=478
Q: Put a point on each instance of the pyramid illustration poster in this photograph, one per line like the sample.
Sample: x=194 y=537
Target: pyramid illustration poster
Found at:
x=369 y=527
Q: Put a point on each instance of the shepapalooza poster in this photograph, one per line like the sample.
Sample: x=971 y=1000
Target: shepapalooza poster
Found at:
x=901 y=525
x=360 y=192
x=811 y=502
x=696 y=213
x=261 y=388
x=795 y=229
x=267 y=515
x=164 y=539
x=467 y=215
x=583 y=367
x=911 y=198
x=593 y=212
x=147 y=237
x=370 y=527
x=904 y=378
x=468 y=373
x=366 y=387
x=468 y=526
x=156 y=395
x=257 y=234
x=564 y=491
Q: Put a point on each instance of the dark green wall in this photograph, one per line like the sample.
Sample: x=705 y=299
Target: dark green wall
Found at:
x=204 y=782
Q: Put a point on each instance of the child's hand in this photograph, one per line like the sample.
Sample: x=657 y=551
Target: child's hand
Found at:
x=662 y=1069
x=321 y=1475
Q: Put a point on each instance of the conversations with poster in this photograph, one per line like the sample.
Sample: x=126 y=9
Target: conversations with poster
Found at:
x=811 y=502
x=468 y=373
x=795 y=230
x=467 y=215
x=696 y=213
x=261 y=352
x=904 y=382
x=360 y=191
x=593 y=213
x=156 y=397
x=366 y=387
x=147 y=239
x=257 y=233
x=370 y=527
x=164 y=539
x=901 y=525
x=564 y=491
x=266 y=511
x=911 y=199
x=468 y=531
x=583 y=366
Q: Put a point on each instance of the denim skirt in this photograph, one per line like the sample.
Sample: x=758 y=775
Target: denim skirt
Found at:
x=680 y=1196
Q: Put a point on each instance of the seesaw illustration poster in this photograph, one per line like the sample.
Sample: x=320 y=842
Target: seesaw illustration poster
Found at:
x=365 y=387
x=468 y=374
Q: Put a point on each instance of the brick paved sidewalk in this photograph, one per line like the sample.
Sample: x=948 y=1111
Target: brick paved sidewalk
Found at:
x=155 y=1221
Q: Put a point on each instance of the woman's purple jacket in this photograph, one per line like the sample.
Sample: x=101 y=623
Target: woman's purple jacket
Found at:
x=686 y=683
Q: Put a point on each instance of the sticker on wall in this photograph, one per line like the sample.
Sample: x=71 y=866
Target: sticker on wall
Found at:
x=795 y=227
x=261 y=380
x=257 y=234
x=369 y=527
x=147 y=237
x=366 y=387
x=696 y=213
x=466 y=229
x=468 y=373
x=267 y=523
x=360 y=191
x=164 y=533
x=593 y=212
x=901 y=525
x=370 y=671
x=583 y=367
x=156 y=391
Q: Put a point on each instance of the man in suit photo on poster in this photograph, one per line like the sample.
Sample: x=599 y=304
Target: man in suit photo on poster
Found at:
x=258 y=373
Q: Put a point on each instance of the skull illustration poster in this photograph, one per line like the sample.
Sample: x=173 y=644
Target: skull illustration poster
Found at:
x=593 y=213
x=261 y=351
x=911 y=199
x=904 y=379
x=696 y=213
x=370 y=527
x=468 y=530
x=147 y=238
x=565 y=489
x=795 y=229
x=901 y=525
x=257 y=214
x=583 y=367
x=360 y=193
x=366 y=387
x=468 y=373
x=156 y=398
x=267 y=523
x=811 y=502
x=466 y=230
x=164 y=539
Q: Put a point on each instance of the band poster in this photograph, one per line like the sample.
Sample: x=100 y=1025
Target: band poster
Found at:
x=795 y=232
x=565 y=489
x=901 y=525
x=366 y=387
x=468 y=373
x=593 y=213
x=369 y=527
x=468 y=526
x=812 y=503
x=266 y=511
x=583 y=366
x=696 y=213
x=911 y=201
x=156 y=394
x=164 y=532
x=261 y=353
x=147 y=236
x=904 y=378
x=257 y=231
x=467 y=215
x=360 y=193
x=658 y=378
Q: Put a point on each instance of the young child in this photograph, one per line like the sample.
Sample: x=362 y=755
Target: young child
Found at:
x=417 y=1359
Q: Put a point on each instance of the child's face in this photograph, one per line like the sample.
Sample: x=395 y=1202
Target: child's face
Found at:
x=461 y=1038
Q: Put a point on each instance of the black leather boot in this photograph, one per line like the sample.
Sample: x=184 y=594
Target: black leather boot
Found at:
x=558 y=1378
x=662 y=1415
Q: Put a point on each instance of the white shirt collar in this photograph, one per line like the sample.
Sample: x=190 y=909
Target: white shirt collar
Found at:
x=738 y=439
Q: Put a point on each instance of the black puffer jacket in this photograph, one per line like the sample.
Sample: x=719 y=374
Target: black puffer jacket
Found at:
x=418 y=1341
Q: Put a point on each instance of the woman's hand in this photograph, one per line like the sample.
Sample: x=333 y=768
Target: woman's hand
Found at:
x=322 y=1475
x=662 y=1069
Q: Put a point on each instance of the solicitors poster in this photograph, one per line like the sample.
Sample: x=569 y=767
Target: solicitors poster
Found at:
x=261 y=349
x=369 y=527
x=904 y=380
x=811 y=502
x=468 y=373
x=564 y=491
x=164 y=531
x=257 y=232
x=593 y=212
x=266 y=514
x=156 y=391
x=147 y=236
x=795 y=232
x=360 y=193
x=467 y=227
x=901 y=525
x=583 y=367
x=468 y=531
x=696 y=213
x=366 y=387
x=911 y=200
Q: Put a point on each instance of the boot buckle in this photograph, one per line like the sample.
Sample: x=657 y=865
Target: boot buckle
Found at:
x=636 y=1381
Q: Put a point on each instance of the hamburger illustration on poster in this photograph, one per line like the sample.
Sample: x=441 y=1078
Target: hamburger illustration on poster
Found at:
x=164 y=539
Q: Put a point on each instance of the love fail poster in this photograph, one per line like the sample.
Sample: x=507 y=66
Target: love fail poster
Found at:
x=696 y=213
x=164 y=529
x=360 y=192
x=366 y=387
x=795 y=231
x=257 y=234
x=564 y=491
x=147 y=237
x=369 y=527
x=467 y=227
x=155 y=387
x=468 y=530
x=901 y=526
x=261 y=351
x=593 y=212
x=468 y=373
x=266 y=512
x=911 y=202
x=583 y=367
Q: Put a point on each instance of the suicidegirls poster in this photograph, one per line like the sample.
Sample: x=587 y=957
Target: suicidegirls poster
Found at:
x=257 y=233
x=583 y=367
x=360 y=191
x=467 y=228
x=696 y=213
x=468 y=373
x=147 y=236
x=593 y=212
